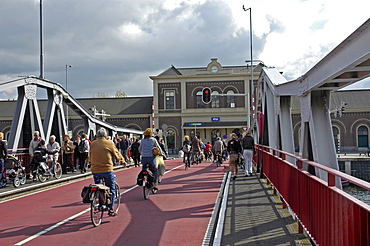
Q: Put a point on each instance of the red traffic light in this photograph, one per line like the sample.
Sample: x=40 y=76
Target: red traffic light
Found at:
x=206 y=95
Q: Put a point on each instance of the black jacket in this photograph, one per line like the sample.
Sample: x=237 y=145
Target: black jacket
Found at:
x=234 y=146
x=3 y=150
x=248 y=142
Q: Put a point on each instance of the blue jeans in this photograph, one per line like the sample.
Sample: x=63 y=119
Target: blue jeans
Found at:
x=150 y=160
x=109 y=181
x=1 y=171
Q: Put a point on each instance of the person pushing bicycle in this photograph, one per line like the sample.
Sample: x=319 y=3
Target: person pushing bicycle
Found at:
x=101 y=155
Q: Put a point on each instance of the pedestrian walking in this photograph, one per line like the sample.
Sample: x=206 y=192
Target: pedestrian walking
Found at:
x=248 y=149
x=234 y=148
x=83 y=150
x=3 y=154
x=76 y=154
x=135 y=151
x=124 y=145
x=67 y=151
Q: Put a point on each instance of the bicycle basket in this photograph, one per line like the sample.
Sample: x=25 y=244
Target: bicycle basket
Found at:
x=104 y=194
x=85 y=194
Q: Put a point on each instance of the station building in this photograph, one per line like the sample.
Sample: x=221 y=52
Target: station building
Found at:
x=178 y=101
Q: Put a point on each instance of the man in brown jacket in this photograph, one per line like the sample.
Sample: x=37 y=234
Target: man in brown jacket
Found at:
x=101 y=155
x=67 y=151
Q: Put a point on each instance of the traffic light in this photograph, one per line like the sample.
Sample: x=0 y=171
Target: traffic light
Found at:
x=206 y=95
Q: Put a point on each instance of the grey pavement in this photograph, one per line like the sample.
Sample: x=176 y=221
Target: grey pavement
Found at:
x=254 y=216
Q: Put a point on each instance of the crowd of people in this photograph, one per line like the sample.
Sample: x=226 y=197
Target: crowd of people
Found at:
x=238 y=149
x=74 y=154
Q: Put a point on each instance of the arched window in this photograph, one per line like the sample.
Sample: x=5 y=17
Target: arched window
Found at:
x=363 y=136
x=198 y=100
x=192 y=134
x=230 y=100
x=215 y=133
x=238 y=132
x=215 y=99
x=170 y=139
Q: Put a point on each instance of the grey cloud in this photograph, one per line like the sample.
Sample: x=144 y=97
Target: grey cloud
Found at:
x=87 y=35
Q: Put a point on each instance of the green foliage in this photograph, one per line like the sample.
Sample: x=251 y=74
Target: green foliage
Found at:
x=103 y=95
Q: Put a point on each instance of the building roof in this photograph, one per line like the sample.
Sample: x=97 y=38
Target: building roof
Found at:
x=355 y=99
x=196 y=71
x=112 y=106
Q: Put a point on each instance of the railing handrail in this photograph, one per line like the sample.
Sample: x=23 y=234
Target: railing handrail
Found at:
x=347 y=177
x=328 y=214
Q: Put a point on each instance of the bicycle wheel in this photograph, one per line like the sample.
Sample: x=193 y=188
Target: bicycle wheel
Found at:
x=41 y=177
x=146 y=191
x=57 y=170
x=117 y=200
x=96 y=212
x=186 y=162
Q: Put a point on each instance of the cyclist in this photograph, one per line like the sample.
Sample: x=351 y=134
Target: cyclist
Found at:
x=207 y=151
x=186 y=145
x=36 y=162
x=218 y=147
x=147 y=156
x=234 y=148
x=101 y=155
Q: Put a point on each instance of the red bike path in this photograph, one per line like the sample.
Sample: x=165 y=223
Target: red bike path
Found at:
x=177 y=215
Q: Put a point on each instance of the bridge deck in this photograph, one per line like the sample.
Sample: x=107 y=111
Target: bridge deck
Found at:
x=255 y=216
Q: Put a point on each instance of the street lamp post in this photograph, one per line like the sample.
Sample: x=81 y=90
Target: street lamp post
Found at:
x=251 y=71
x=67 y=66
x=42 y=76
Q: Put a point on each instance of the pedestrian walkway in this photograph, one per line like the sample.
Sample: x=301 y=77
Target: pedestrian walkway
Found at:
x=254 y=216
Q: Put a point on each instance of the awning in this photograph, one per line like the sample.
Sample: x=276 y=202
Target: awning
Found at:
x=215 y=124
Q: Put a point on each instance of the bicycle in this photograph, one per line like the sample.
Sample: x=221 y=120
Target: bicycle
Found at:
x=97 y=209
x=208 y=155
x=195 y=157
x=187 y=160
x=218 y=159
x=42 y=171
x=148 y=182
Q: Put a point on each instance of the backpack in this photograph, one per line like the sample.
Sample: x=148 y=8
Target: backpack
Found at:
x=186 y=148
x=82 y=147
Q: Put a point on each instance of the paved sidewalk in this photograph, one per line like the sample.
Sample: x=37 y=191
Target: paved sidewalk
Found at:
x=254 y=216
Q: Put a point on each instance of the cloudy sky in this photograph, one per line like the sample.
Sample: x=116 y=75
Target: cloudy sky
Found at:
x=117 y=44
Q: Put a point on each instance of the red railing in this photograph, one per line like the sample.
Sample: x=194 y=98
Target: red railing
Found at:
x=328 y=214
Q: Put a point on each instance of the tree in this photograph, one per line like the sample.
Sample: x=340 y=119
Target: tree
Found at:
x=100 y=95
x=120 y=94
x=103 y=95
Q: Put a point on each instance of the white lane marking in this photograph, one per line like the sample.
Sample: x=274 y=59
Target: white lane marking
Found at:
x=73 y=217
x=51 y=228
